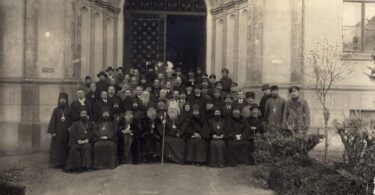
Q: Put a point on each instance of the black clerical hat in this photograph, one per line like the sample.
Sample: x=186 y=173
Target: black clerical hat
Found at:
x=250 y=94
x=102 y=73
x=274 y=88
x=293 y=88
x=265 y=87
x=110 y=68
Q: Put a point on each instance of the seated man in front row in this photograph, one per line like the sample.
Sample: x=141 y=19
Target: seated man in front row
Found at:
x=105 y=141
x=218 y=150
x=197 y=138
x=239 y=146
x=80 y=153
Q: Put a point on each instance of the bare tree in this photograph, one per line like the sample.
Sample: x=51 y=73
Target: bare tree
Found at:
x=328 y=68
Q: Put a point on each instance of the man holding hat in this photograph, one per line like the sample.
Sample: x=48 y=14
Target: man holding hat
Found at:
x=297 y=112
x=275 y=107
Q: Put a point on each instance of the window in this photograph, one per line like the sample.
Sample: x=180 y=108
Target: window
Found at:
x=359 y=26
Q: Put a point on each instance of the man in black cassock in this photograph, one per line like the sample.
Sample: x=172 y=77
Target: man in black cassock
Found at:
x=266 y=95
x=60 y=121
x=256 y=124
x=197 y=138
x=238 y=139
x=80 y=152
x=217 y=97
x=131 y=135
x=217 y=148
x=81 y=101
x=104 y=141
x=174 y=150
x=151 y=136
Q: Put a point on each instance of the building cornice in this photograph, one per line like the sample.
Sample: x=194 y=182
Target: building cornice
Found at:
x=226 y=6
x=46 y=81
x=340 y=88
x=107 y=6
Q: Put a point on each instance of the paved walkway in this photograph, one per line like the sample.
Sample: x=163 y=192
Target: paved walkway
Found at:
x=135 y=179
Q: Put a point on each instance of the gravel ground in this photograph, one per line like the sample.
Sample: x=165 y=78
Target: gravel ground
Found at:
x=170 y=179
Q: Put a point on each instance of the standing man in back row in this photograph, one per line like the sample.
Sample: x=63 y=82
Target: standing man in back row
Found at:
x=226 y=81
x=266 y=95
x=297 y=112
x=274 y=108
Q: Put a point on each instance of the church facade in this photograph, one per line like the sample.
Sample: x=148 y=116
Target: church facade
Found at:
x=47 y=46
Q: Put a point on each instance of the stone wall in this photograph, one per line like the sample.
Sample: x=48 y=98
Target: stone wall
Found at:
x=47 y=47
x=323 y=21
x=231 y=40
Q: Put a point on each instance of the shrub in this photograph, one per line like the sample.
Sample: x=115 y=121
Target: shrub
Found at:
x=301 y=175
x=8 y=182
x=358 y=137
x=278 y=143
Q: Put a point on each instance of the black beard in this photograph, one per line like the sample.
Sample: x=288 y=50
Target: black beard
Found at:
x=84 y=120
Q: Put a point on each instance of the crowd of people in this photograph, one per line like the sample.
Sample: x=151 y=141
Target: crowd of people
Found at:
x=184 y=117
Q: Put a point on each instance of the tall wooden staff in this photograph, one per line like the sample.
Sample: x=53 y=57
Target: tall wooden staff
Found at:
x=163 y=140
x=165 y=73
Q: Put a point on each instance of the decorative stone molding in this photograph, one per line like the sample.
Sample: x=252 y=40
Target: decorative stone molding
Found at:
x=106 y=5
x=225 y=6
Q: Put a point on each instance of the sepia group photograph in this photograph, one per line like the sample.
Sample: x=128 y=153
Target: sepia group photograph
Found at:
x=187 y=97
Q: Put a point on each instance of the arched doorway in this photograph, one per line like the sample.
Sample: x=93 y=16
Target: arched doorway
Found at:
x=165 y=30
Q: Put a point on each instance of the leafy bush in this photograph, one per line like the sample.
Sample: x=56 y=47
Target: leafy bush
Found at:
x=301 y=175
x=358 y=136
x=278 y=143
x=8 y=182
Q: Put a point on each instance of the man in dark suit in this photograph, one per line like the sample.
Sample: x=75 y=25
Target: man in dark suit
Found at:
x=81 y=101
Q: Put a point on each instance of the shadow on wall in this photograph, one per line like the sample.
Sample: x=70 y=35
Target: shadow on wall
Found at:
x=2 y=29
